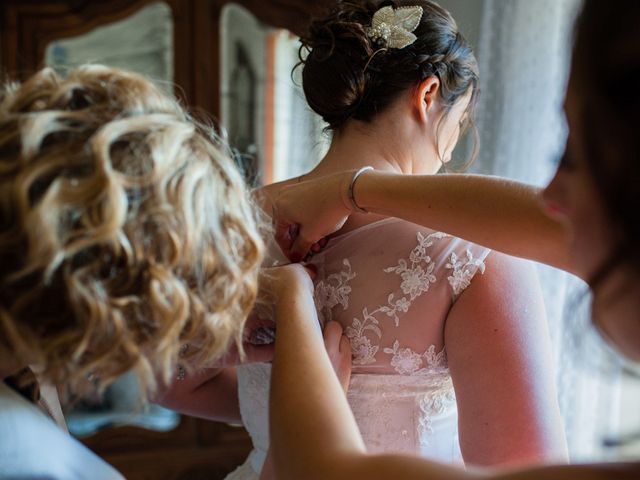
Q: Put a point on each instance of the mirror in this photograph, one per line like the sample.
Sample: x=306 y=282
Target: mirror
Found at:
x=143 y=43
x=277 y=139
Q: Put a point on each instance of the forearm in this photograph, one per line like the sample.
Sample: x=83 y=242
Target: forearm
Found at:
x=310 y=418
x=501 y=214
x=205 y=393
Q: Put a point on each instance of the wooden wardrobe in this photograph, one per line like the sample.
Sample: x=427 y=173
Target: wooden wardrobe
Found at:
x=196 y=449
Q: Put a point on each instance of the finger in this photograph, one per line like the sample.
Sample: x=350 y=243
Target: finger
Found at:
x=300 y=247
x=283 y=236
x=294 y=229
x=339 y=352
x=319 y=245
x=345 y=346
x=312 y=270
x=344 y=374
x=251 y=323
x=332 y=335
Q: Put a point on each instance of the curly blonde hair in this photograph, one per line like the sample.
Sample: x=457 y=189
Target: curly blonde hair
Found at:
x=125 y=231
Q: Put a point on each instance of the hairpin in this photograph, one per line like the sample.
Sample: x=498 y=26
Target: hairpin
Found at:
x=394 y=26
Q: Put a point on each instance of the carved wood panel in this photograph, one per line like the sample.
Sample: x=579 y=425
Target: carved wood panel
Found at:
x=28 y=26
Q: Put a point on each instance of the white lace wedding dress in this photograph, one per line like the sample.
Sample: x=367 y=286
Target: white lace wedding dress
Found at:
x=390 y=284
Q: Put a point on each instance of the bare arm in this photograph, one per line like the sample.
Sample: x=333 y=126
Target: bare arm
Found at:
x=495 y=212
x=339 y=351
x=500 y=359
x=210 y=393
x=314 y=435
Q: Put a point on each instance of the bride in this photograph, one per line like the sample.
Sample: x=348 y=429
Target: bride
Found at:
x=436 y=324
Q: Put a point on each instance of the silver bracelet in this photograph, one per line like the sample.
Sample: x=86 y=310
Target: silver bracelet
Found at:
x=352 y=199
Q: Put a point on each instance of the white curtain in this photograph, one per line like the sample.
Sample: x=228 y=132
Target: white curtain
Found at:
x=523 y=51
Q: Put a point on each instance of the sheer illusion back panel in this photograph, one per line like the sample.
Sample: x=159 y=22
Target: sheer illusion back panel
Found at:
x=391 y=285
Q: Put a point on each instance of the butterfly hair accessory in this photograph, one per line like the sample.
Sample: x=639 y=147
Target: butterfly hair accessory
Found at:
x=394 y=27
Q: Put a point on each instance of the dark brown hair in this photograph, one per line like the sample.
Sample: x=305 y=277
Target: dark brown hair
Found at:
x=605 y=73
x=347 y=75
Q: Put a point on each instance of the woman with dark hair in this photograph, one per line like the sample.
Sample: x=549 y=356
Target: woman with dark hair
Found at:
x=397 y=82
x=585 y=222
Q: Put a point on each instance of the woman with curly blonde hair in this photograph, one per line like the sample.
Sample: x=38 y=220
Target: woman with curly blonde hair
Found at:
x=125 y=232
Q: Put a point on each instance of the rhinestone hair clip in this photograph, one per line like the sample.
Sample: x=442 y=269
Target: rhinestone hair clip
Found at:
x=394 y=26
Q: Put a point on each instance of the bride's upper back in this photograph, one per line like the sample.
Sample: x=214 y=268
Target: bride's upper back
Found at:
x=391 y=285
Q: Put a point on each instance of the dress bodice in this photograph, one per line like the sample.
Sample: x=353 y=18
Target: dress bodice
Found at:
x=391 y=285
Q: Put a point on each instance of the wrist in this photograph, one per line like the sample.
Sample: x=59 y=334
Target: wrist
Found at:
x=347 y=189
x=292 y=284
x=343 y=189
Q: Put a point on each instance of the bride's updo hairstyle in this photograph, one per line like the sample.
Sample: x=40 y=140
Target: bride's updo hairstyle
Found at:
x=125 y=231
x=348 y=75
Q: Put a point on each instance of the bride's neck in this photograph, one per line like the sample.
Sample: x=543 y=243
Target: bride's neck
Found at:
x=359 y=145
x=384 y=147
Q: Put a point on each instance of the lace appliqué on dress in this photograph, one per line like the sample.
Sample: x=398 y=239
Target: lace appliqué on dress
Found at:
x=435 y=402
x=407 y=362
x=333 y=291
x=432 y=365
x=417 y=276
x=363 y=352
x=463 y=271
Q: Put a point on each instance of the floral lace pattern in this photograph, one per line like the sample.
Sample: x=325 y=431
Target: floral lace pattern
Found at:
x=417 y=277
x=407 y=362
x=436 y=401
x=463 y=271
x=334 y=291
x=417 y=274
